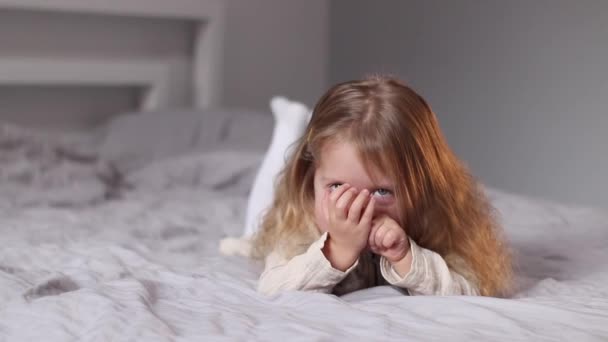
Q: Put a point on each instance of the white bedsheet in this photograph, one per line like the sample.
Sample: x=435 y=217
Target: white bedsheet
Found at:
x=145 y=267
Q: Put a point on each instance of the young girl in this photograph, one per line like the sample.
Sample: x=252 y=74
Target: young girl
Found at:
x=372 y=195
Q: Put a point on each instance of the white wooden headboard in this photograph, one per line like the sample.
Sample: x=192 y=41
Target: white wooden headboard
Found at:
x=150 y=75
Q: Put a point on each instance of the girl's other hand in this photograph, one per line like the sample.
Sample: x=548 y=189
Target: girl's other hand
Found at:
x=388 y=239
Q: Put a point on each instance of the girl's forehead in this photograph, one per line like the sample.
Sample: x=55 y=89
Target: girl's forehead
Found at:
x=340 y=161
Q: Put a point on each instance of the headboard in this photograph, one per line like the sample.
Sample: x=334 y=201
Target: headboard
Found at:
x=150 y=75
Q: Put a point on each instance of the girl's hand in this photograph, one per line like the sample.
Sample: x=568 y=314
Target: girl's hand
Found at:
x=388 y=239
x=349 y=216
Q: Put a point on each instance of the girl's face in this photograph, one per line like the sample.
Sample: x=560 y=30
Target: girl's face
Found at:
x=339 y=164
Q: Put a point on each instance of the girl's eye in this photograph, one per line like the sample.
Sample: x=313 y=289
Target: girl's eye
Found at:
x=334 y=186
x=382 y=192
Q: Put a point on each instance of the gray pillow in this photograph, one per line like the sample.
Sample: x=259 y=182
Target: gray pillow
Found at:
x=136 y=139
x=245 y=130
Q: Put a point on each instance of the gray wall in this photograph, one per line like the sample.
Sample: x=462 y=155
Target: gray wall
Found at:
x=271 y=47
x=275 y=47
x=520 y=87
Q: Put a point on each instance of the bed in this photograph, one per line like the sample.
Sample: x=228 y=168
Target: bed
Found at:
x=97 y=245
x=113 y=235
x=157 y=77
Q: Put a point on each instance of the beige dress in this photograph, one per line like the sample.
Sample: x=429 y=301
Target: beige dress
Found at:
x=311 y=271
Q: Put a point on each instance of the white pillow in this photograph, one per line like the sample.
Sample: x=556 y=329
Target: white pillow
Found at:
x=290 y=120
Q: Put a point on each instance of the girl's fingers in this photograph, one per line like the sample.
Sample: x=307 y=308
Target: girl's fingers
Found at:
x=372 y=236
x=333 y=197
x=356 y=208
x=368 y=214
x=380 y=235
x=389 y=239
x=344 y=202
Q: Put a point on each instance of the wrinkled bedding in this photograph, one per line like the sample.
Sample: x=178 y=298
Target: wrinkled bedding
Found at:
x=136 y=258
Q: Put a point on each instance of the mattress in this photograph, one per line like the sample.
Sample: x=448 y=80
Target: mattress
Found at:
x=117 y=255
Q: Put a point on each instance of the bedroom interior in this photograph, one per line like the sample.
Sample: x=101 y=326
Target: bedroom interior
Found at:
x=132 y=132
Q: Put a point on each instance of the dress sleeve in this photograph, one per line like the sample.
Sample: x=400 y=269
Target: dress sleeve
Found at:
x=309 y=271
x=429 y=275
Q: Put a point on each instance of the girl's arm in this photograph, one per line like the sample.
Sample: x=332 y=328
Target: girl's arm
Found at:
x=428 y=274
x=310 y=271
